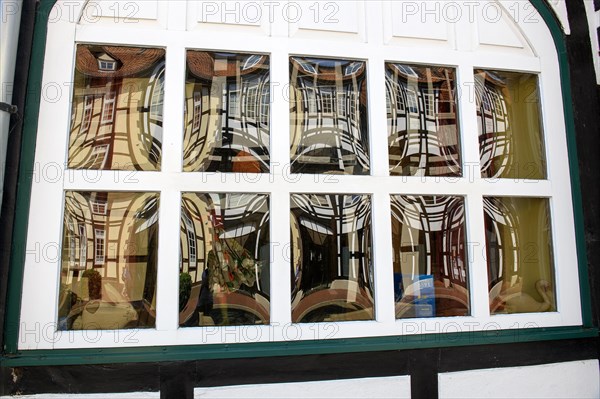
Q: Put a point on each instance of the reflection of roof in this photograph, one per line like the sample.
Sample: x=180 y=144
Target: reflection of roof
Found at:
x=419 y=73
x=329 y=70
x=202 y=64
x=133 y=60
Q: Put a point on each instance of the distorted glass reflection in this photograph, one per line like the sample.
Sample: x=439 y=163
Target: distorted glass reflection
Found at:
x=225 y=259
x=328 y=116
x=430 y=261
x=422 y=120
x=108 y=266
x=510 y=133
x=117 y=110
x=332 y=270
x=519 y=255
x=227 y=111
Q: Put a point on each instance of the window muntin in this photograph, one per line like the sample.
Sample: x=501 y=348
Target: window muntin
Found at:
x=231 y=287
x=116 y=288
x=508 y=119
x=422 y=121
x=323 y=141
x=131 y=139
x=230 y=137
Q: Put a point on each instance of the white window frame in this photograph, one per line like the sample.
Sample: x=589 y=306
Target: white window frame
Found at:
x=46 y=227
x=108 y=107
x=99 y=246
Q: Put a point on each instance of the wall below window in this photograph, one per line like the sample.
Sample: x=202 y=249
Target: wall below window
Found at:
x=557 y=380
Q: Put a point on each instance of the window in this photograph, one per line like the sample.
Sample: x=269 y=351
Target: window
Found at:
x=386 y=204
x=108 y=107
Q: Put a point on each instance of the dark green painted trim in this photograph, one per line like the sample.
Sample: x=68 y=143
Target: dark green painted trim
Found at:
x=273 y=349
x=565 y=79
x=14 y=358
x=26 y=167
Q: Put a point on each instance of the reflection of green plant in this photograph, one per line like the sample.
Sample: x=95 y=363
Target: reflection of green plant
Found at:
x=230 y=264
x=185 y=289
x=94 y=283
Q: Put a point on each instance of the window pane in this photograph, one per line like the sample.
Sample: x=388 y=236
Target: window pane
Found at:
x=108 y=274
x=225 y=259
x=519 y=255
x=332 y=269
x=329 y=126
x=510 y=133
x=227 y=108
x=117 y=111
x=422 y=121
x=430 y=260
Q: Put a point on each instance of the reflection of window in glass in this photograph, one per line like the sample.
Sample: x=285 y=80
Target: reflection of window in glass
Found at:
x=233 y=287
x=352 y=68
x=119 y=290
x=510 y=132
x=72 y=244
x=430 y=263
x=427 y=145
x=251 y=102
x=197 y=115
x=328 y=145
x=135 y=135
x=82 y=247
x=99 y=156
x=99 y=207
x=99 y=246
x=88 y=109
x=108 y=108
x=227 y=138
x=331 y=258
x=158 y=94
x=519 y=255
x=265 y=103
x=429 y=102
x=341 y=105
x=326 y=102
x=413 y=102
x=233 y=104
x=191 y=236
x=107 y=65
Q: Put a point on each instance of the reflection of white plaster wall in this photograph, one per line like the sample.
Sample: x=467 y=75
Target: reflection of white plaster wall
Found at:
x=560 y=8
x=578 y=379
x=10 y=16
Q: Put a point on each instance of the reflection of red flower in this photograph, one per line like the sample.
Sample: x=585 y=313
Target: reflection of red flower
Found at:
x=231 y=276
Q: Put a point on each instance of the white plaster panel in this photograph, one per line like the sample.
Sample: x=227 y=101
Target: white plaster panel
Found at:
x=578 y=379
x=317 y=18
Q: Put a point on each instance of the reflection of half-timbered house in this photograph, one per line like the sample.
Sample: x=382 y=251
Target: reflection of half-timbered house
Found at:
x=227 y=113
x=422 y=121
x=115 y=236
x=329 y=106
x=220 y=235
x=116 y=121
x=429 y=242
x=331 y=260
